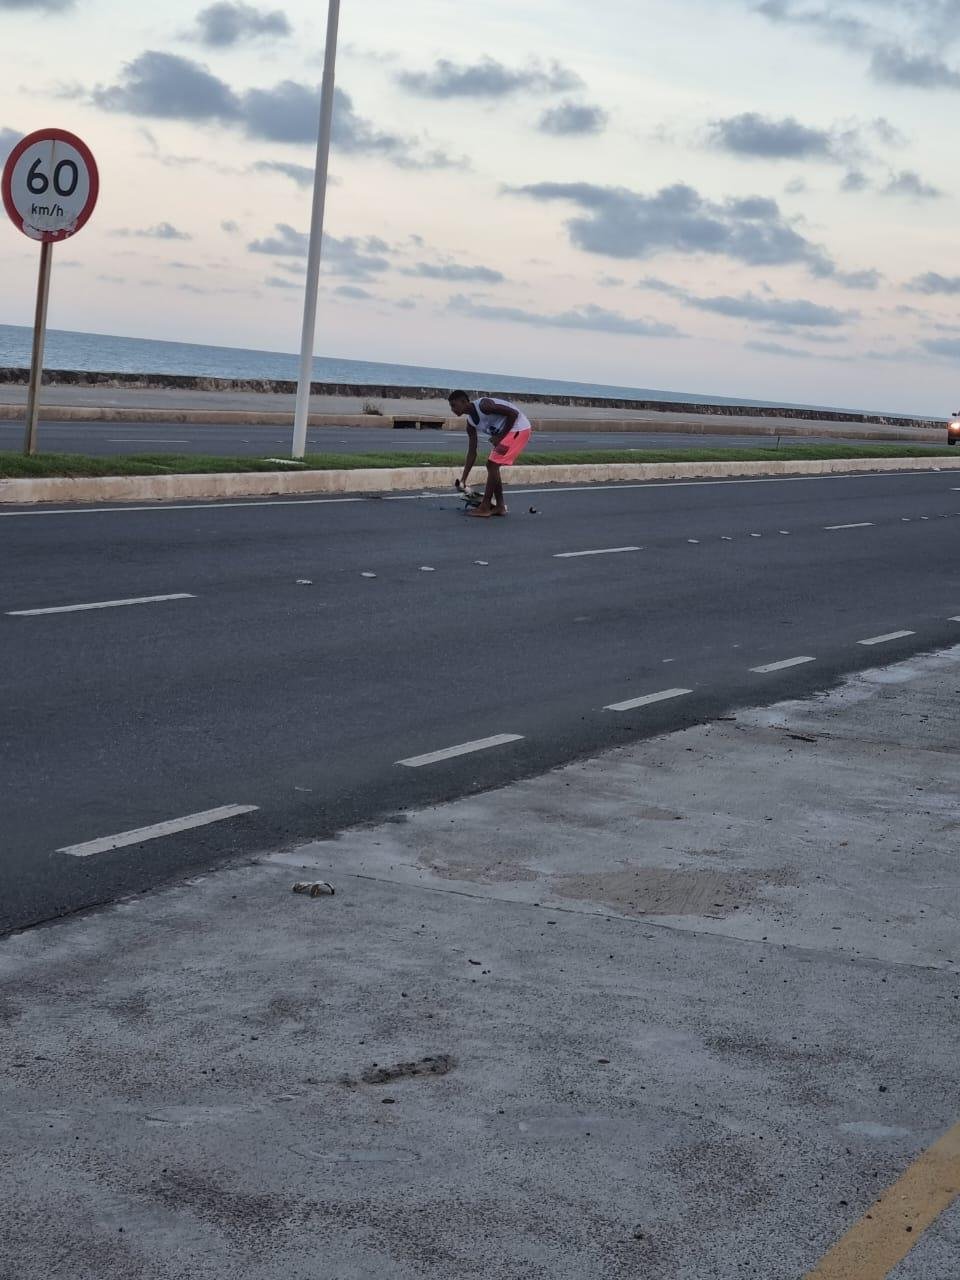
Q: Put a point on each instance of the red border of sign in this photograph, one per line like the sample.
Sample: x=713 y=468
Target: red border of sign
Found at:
x=51 y=135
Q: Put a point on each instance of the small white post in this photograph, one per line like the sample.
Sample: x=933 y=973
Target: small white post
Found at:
x=302 y=413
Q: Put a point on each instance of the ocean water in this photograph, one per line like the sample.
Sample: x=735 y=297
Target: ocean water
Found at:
x=93 y=352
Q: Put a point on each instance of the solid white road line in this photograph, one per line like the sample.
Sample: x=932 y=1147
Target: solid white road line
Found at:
x=102 y=604
x=142 y=834
x=184 y=506
x=781 y=666
x=465 y=749
x=648 y=700
x=607 y=551
x=830 y=528
x=893 y=635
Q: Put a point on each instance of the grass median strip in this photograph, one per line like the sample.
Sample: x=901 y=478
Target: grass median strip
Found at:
x=17 y=466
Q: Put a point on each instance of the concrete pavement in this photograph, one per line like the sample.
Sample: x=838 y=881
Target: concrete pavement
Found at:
x=689 y=1007
x=289 y=653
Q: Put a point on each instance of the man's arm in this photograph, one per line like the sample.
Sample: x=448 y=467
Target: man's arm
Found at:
x=510 y=416
x=471 y=453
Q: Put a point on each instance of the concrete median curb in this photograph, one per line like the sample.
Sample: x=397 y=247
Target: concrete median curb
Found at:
x=265 y=484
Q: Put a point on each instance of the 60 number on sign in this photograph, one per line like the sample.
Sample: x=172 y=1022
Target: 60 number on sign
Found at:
x=50 y=187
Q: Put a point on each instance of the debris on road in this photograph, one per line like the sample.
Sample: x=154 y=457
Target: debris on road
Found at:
x=438 y=1065
x=483 y=563
x=426 y=568
x=316 y=889
x=368 y=575
x=304 y=582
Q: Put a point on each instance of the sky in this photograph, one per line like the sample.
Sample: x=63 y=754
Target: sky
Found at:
x=737 y=197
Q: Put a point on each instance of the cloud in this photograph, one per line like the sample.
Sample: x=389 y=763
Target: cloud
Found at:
x=47 y=6
x=171 y=87
x=837 y=28
x=620 y=223
x=301 y=174
x=931 y=282
x=752 y=134
x=352 y=291
x=590 y=317
x=487 y=78
x=778 y=349
x=908 y=183
x=8 y=140
x=796 y=187
x=278 y=282
x=870 y=279
x=224 y=24
x=287 y=243
x=783 y=313
x=949 y=347
x=162 y=231
x=453 y=271
x=571 y=118
x=853 y=181
x=230 y=227
x=928 y=25
x=356 y=258
x=892 y=65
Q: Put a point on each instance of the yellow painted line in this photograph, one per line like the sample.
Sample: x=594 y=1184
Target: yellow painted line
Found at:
x=894 y=1225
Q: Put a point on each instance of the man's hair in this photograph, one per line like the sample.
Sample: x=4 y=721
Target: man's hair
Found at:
x=458 y=395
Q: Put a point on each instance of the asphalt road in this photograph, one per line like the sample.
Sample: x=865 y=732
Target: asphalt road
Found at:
x=132 y=438
x=283 y=678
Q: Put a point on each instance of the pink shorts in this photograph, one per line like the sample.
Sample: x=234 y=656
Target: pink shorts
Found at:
x=510 y=448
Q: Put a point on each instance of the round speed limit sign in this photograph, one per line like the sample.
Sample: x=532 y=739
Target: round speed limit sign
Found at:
x=50 y=185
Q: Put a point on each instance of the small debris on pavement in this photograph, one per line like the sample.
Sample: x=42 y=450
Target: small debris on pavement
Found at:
x=316 y=888
x=426 y=568
x=803 y=737
x=438 y=1065
x=304 y=582
x=368 y=575
x=534 y=511
x=476 y=962
x=482 y=563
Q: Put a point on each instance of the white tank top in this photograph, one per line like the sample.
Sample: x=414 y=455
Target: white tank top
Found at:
x=492 y=424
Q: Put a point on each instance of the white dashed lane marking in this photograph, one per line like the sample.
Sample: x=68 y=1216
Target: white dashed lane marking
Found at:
x=831 y=528
x=781 y=666
x=142 y=834
x=101 y=604
x=606 y=551
x=648 y=700
x=892 y=635
x=465 y=749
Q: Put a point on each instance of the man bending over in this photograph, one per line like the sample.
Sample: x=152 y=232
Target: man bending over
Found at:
x=508 y=429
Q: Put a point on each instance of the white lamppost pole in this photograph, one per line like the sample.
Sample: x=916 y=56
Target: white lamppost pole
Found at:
x=316 y=233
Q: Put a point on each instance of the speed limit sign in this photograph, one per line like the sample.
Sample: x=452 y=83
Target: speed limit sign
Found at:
x=50 y=187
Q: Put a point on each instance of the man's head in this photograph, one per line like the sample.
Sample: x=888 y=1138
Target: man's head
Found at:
x=459 y=402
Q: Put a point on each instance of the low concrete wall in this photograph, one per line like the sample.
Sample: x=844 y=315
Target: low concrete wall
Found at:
x=179 y=382
x=411 y=479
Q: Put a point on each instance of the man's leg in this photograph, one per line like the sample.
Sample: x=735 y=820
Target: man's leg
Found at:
x=501 y=506
x=485 y=509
